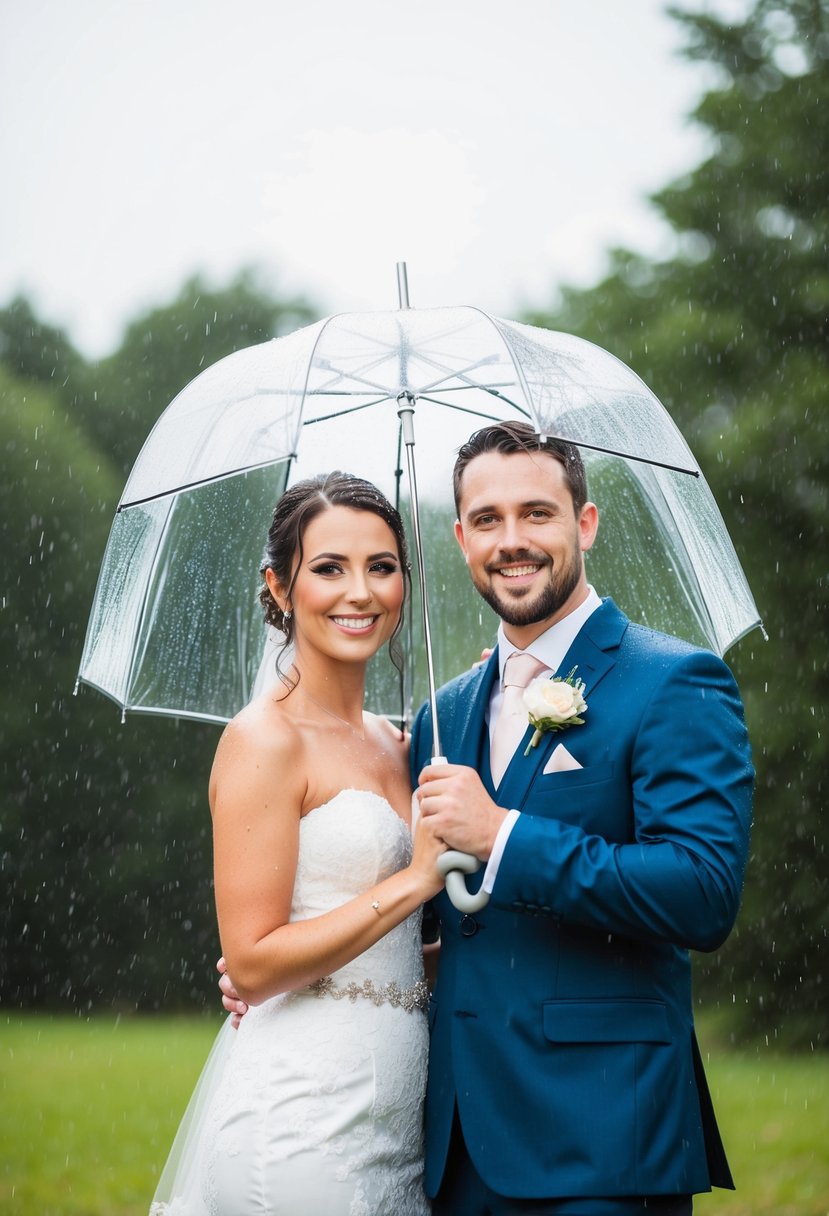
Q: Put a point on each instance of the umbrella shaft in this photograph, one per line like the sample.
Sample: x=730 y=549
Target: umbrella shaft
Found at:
x=402 y=285
x=406 y=414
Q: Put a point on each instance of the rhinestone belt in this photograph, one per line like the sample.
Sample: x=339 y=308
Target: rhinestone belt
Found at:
x=416 y=997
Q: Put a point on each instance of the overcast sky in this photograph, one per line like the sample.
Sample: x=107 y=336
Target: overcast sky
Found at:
x=499 y=148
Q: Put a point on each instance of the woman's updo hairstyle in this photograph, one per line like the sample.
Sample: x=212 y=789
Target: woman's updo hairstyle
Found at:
x=292 y=515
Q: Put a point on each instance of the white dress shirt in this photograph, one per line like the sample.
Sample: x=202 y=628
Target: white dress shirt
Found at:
x=549 y=648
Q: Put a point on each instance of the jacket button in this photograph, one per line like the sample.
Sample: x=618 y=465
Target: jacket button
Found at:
x=469 y=926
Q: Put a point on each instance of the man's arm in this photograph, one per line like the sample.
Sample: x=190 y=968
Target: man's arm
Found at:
x=681 y=879
x=231 y=1000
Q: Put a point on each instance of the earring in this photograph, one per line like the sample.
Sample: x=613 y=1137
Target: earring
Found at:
x=286 y=616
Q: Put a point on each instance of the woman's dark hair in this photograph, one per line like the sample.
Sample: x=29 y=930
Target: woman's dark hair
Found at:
x=508 y=438
x=293 y=513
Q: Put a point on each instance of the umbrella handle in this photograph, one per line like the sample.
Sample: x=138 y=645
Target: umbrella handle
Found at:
x=453 y=865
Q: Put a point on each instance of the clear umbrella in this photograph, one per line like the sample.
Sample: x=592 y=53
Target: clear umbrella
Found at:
x=175 y=626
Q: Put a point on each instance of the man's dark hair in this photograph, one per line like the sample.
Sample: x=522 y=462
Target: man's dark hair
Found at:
x=510 y=437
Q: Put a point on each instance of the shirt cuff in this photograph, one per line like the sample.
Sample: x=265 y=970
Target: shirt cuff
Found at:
x=491 y=871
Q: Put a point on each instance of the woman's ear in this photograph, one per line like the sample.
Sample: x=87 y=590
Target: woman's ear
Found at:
x=275 y=588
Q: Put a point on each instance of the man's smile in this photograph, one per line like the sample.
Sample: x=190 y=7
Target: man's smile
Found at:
x=519 y=571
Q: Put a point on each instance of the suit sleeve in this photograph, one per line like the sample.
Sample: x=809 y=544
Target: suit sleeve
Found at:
x=679 y=879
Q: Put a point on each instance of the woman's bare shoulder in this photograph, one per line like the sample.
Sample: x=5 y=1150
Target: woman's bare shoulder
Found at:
x=263 y=723
x=262 y=738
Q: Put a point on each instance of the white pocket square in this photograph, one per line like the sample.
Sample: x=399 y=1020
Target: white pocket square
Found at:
x=561 y=761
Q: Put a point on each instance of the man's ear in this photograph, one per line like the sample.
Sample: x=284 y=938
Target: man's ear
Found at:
x=588 y=526
x=459 y=537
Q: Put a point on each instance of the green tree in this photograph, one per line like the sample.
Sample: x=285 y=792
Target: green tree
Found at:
x=104 y=829
x=732 y=334
x=35 y=350
x=93 y=840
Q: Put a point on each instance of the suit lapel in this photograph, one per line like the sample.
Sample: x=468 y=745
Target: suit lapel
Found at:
x=593 y=651
x=521 y=770
x=467 y=731
x=592 y=654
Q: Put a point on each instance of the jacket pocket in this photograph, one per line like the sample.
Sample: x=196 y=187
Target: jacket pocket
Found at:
x=589 y=774
x=607 y=1021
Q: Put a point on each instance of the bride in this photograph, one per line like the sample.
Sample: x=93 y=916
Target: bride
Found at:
x=314 y=1106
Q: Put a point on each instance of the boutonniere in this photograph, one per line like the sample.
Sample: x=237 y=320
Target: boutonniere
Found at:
x=554 y=704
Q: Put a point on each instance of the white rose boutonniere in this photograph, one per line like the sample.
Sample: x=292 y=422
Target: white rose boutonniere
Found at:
x=553 y=704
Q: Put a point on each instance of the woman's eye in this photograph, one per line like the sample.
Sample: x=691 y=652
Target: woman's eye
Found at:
x=385 y=568
x=327 y=568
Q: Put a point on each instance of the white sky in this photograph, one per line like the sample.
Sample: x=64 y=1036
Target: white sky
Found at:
x=499 y=148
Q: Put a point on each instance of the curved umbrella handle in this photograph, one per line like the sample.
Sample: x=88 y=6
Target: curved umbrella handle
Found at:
x=453 y=865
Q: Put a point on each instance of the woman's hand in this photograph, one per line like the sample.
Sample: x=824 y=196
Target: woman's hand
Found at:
x=428 y=847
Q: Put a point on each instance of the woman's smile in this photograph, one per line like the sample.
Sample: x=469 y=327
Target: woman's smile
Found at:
x=356 y=624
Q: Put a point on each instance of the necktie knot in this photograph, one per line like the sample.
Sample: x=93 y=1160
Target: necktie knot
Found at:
x=520 y=669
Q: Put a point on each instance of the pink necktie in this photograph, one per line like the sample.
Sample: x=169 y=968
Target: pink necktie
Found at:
x=519 y=670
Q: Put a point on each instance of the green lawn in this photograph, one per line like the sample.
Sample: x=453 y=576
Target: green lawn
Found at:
x=773 y=1111
x=88 y=1111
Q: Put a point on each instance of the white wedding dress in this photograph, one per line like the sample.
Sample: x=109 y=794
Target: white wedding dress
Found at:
x=314 y=1106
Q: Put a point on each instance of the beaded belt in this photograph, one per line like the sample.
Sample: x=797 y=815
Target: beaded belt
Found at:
x=416 y=997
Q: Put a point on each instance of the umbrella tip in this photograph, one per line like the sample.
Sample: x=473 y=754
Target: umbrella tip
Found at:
x=402 y=285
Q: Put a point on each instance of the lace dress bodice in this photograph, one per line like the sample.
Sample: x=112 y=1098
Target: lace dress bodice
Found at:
x=346 y=846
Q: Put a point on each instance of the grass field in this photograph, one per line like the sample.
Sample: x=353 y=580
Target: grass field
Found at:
x=88 y=1111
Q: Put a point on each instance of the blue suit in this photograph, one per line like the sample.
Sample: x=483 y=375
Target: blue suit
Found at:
x=562 y=1022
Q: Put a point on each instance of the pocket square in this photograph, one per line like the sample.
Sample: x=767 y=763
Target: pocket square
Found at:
x=561 y=761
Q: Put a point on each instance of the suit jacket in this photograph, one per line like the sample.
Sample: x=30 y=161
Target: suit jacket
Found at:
x=562 y=1023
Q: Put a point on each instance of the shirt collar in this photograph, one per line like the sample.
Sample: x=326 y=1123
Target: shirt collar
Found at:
x=552 y=645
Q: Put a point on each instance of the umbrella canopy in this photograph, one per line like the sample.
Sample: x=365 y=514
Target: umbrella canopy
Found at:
x=175 y=625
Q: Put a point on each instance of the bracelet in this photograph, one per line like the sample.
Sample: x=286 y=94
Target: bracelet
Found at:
x=375 y=903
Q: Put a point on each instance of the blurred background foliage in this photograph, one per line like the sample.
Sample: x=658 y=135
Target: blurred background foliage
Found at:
x=104 y=836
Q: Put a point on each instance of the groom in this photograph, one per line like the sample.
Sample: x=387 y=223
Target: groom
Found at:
x=564 y=1072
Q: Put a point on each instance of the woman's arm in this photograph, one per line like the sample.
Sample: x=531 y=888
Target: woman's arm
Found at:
x=256 y=818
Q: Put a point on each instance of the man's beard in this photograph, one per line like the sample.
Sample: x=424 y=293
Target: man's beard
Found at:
x=546 y=603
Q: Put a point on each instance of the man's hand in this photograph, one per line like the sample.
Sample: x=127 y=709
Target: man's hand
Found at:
x=230 y=997
x=465 y=816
